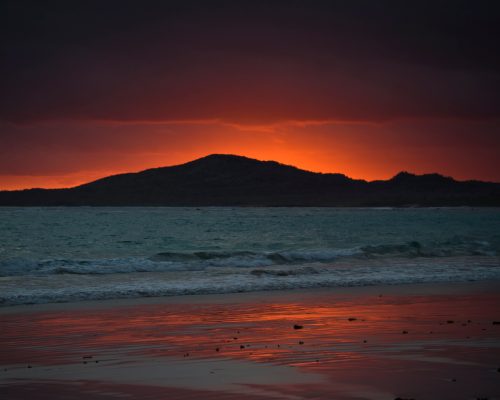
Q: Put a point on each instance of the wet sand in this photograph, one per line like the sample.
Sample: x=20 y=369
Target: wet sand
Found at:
x=435 y=341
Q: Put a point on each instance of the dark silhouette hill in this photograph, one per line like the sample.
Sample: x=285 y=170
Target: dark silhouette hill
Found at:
x=229 y=180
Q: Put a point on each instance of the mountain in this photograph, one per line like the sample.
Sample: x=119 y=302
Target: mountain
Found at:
x=229 y=180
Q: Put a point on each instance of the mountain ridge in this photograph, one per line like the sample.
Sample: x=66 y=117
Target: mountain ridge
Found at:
x=232 y=180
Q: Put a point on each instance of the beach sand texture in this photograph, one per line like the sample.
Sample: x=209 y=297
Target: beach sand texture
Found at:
x=409 y=341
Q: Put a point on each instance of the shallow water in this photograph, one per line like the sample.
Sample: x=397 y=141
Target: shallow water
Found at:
x=66 y=254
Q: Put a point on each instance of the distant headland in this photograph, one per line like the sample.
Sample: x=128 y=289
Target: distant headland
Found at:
x=230 y=180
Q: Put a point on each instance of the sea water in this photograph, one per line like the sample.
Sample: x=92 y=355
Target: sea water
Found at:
x=91 y=253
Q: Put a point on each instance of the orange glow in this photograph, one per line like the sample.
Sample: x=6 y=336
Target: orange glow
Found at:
x=334 y=328
x=350 y=341
x=360 y=150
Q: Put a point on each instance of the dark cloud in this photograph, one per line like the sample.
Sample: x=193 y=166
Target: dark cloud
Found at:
x=249 y=60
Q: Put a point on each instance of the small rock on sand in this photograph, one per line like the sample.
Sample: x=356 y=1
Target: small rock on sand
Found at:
x=298 y=326
x=352 y=319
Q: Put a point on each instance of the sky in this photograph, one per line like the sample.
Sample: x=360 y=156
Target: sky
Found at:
x=364 y=88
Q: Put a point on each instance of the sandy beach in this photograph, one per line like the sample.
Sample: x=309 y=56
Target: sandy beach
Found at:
x=439 y=341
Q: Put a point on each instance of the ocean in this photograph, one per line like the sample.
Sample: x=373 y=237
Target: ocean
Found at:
x=91 y=253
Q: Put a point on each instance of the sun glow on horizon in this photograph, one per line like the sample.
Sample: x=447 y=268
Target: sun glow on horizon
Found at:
x=54 y=159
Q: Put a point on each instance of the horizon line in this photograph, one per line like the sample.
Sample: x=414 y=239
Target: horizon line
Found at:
x=403 y=171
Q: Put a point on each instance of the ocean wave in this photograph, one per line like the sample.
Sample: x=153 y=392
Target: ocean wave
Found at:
x=202 y=260
x=367 y=272
x=454 y=247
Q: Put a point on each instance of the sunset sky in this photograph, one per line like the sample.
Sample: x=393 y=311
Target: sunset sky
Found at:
x=365 y=88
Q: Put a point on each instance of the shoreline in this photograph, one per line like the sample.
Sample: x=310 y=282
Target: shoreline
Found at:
x=262 y=295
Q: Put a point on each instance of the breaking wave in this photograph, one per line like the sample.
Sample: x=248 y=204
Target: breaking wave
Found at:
x=356 y=272
x=201 y=260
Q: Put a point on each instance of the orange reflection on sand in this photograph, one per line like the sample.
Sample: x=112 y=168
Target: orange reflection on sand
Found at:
x=359 y=344
x=332 y=329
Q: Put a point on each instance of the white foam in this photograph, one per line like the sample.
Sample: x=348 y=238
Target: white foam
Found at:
x=65 y=288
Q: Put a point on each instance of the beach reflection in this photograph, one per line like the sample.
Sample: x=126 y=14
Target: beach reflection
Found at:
x=342 y=347
x=306 y=333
